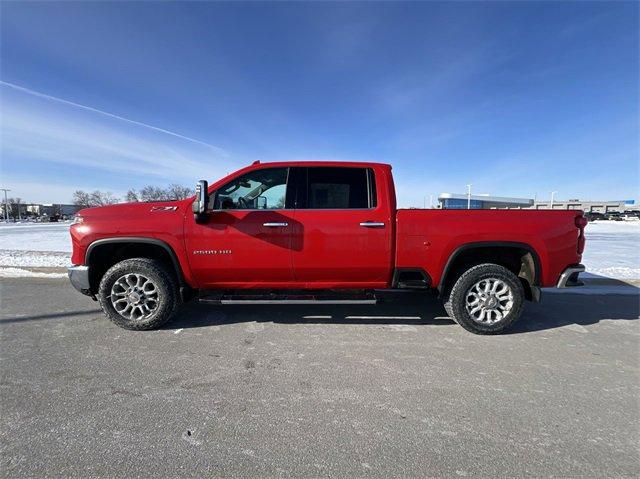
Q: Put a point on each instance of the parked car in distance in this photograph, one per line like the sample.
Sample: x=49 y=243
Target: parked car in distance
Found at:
x=594 y=216
x=326 y=230
x=613 y=216
x=631 y=215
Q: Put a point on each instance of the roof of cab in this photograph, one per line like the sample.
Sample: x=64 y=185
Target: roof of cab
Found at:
x=360 y=164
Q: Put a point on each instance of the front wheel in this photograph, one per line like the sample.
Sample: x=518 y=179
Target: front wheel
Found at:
x=138 y=294
x=486 y=299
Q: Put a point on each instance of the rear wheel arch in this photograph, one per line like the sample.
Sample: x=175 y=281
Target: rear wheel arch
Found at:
x=104 y=253
x=520 y=258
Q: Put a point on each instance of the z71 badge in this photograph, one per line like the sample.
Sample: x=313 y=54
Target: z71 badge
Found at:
x=212 y=251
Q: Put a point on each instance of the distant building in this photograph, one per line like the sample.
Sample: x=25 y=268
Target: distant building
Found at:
x=588 y=206
x=461 y=201
x=452 y=201
x=36 y=210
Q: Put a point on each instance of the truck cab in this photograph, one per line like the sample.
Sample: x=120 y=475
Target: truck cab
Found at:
x=284 y=226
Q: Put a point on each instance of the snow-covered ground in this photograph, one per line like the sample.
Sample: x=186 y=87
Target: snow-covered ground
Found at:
x=34 y=245
x=613 y=248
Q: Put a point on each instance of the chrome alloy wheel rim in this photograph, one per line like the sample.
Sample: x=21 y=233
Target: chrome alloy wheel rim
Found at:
x=489 y=301
x=134 y=296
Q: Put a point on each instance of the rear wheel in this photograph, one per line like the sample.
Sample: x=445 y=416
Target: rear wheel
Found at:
x=138 y=294
x=486 y=299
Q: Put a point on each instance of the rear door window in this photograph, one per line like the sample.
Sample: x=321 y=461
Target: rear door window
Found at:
x=337 y=188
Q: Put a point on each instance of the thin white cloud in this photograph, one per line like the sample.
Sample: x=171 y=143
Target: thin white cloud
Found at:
x=38 y=129
x=110 y=115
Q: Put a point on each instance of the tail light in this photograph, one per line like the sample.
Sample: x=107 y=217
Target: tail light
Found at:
x=581 y=223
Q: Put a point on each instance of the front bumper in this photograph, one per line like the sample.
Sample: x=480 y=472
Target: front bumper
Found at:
x=569 y=277
x=79 y=277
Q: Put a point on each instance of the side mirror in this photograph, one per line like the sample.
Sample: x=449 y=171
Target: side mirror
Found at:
x=201 y=202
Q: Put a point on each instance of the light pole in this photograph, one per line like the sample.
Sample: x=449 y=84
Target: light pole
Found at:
x=6 y=205
x=469 y=196
x=424 y=202
x=553 y=195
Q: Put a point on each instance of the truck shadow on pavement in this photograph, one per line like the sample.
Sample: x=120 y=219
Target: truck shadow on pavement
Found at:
x=556 y=310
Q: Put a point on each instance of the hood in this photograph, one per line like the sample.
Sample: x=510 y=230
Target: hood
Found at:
x=126 y=211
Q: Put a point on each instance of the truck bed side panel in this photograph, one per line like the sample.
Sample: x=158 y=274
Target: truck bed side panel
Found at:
x=428 y=238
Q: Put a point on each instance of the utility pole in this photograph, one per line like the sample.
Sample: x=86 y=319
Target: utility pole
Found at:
x=430 y=201
x=469 y=196
x=553 y=195
x=6 y=205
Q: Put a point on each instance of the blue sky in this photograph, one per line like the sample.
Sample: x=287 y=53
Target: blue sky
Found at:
x=517 y=98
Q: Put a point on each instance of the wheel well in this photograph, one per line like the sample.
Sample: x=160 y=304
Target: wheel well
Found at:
x=520 y=260
x=101 y=257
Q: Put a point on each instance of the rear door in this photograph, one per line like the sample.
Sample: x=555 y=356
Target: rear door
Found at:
x=343 y=231
x=246 y=241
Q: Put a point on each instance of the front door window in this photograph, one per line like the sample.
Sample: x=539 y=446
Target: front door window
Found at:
x=264 y=189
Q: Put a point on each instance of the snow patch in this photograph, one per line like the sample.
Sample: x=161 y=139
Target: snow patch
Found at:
x=599 y=289
x=34 y=258
x=23 y=273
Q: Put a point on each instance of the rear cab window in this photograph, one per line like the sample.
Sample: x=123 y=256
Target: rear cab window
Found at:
x=336 y=188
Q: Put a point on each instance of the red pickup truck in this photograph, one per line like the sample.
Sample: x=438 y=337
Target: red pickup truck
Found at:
x=325 y=230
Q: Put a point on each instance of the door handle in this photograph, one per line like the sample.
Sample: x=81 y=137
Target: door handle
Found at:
x=275 y=225
x=372 y=224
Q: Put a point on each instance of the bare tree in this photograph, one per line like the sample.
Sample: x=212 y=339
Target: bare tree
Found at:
x=153 y=193
x=18 y=202
x=132 y=196
x=178 y=192
x=11 y=208
x=82 y=199
x=100 y=198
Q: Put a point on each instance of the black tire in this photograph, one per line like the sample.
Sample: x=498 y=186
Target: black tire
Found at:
x=456 y=300
x=165 y=293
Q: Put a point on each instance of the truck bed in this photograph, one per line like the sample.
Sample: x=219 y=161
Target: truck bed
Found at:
x=429 y=238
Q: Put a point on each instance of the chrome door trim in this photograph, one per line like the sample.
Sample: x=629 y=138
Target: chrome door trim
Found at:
x=275 y=225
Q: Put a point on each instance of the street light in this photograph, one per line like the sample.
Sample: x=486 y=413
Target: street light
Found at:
x=469 y=196
x=424 y=202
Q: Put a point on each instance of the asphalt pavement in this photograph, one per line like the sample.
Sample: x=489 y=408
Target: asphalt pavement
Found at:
x=391 y=390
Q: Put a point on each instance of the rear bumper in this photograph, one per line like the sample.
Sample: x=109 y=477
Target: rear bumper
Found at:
x=79 y=277
x=569 y=277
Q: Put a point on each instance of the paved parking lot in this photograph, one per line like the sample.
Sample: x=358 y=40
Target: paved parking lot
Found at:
x=340 y=391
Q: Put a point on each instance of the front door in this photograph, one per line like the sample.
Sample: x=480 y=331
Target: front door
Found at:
x=343 y=232
x=246 y=240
